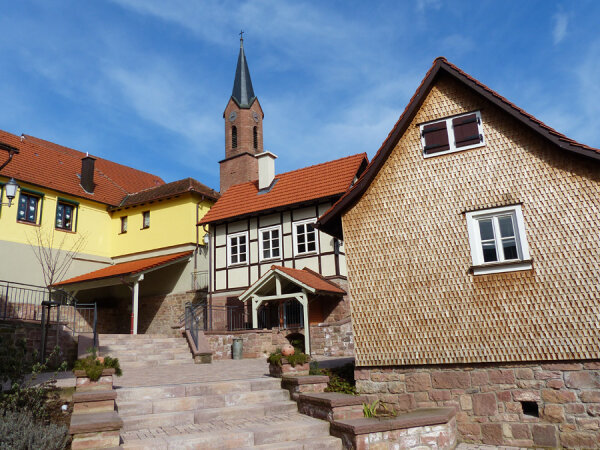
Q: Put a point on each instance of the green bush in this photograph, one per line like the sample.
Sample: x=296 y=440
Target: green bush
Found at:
x=24 y=395
x=93 y=367
x=341 y=379
x=276 y=358
x=20 y=431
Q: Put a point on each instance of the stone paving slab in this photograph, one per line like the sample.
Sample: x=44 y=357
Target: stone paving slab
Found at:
x=464 y=446
x=221 y=370
x=254 y=424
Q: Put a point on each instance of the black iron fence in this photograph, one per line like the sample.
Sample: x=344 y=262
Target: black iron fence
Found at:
x=19 y=301
x=204 y=317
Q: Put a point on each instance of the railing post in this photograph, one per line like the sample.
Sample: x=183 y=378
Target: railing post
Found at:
x=6 y=301
x=95 y=325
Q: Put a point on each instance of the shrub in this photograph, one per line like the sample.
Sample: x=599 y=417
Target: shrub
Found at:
x=341 y=379
x=19 y=430
x=93 y=366
x=298 y=357
x=24 y=395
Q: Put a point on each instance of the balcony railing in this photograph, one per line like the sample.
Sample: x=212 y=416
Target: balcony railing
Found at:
x=199 y=280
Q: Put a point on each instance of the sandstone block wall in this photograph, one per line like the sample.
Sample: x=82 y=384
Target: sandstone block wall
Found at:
x=489 y=399
x=31 y=332
x=332 y=339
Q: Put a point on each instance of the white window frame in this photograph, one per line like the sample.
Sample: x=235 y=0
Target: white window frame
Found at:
x=450 y=130
x=295 y=236
x=230 y=237
x=479 y=266
x=261 y=243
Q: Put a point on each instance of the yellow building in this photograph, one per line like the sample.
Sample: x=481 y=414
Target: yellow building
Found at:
x=108 y=215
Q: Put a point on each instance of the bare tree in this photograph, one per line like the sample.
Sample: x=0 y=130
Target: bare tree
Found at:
x=54 y=257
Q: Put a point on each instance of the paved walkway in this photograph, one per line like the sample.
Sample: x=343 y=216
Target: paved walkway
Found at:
x=485 y=447
x=219 y=370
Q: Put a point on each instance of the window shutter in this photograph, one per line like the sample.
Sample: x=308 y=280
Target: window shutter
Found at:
x=436 y=138
x=466 y=130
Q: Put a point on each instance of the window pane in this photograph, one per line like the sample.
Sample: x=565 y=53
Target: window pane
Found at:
x=275 y=243
x=242 y=239
x=506 y=226
x=243 y=248
x=510 y=248
x=234 y=258
x=265 y=235
x=301 y=248
x=311 y=246
x=486 y=229
x=266 y=254
x=301 y=239
x=489 y=252
x=276 y=252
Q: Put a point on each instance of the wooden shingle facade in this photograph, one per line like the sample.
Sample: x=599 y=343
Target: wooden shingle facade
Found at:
x=478 y=285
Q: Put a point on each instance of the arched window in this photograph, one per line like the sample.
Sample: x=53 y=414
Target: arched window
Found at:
x=255 y=138
x=234 y=137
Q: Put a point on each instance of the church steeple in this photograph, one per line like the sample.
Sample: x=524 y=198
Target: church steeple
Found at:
x=243 y=129
x=242 y=93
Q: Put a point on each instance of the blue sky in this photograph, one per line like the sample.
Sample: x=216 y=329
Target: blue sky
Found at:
x=145 y=82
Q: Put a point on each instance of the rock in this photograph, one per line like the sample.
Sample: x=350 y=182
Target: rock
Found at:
x=485 y=404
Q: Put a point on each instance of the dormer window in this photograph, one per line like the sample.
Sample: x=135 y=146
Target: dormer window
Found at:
x=452 y=134
x=234 y=137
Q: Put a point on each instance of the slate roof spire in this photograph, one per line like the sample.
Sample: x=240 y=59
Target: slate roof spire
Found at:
x=242 y=93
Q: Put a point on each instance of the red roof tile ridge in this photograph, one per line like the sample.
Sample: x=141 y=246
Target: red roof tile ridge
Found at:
x=322 y=277
x=74 y=153
x=364 y=155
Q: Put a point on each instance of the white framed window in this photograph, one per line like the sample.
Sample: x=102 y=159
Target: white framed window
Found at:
x=497 y=239
x=452 y=134
x=305 y=237
x=237 y=248
x=269 y=242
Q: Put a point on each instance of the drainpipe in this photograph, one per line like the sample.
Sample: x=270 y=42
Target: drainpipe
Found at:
x=207 y=233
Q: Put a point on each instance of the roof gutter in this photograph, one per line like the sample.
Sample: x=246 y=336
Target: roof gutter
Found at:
x=11 y=152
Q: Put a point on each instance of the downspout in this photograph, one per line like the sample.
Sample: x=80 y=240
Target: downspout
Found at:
x=207 y=233
x=11 y=153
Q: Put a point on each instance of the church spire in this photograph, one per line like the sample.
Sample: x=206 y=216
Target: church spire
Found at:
x=242 y=93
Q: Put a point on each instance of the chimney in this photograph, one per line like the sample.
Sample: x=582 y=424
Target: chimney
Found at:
x=87 y=173
x=266 y=169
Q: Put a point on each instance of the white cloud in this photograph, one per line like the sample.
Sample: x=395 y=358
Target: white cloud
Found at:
x=561 y=22
x=422 y=5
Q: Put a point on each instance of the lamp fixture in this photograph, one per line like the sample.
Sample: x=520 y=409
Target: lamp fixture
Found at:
x=11 y=191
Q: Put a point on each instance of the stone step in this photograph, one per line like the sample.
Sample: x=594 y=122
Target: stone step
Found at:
x=149 y=421
x=138 y=341
x=178 y=347
x=202 y=402
x=244 y=411
x=130 y=357
x=320 y=443
x=293 y=432
x=195 y=389
x=155 y=363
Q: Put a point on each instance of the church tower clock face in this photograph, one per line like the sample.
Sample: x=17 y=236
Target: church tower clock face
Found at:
x=255 y=116
x=232 y=116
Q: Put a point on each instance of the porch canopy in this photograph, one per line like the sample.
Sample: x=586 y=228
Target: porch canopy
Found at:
x=130 y=273
x=282 y=283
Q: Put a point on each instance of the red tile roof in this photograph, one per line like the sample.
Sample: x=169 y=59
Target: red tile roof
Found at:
x=330 y=221
x=311 y=279
x=53 y=166
x=299 y=186
x=126 y=268
x=169 y=190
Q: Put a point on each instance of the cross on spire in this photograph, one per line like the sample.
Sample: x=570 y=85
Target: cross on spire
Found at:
x=241 y=35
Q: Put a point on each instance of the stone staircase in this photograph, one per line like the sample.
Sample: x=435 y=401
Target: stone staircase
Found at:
x=145 y=350
x=247 y=412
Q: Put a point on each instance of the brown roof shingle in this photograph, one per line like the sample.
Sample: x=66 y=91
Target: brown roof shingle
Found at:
x=52 y=166
x=169 y=190
x=299 y=186
x=311 y=279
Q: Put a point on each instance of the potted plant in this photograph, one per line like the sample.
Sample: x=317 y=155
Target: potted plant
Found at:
x=288 y=362
x=93 y=370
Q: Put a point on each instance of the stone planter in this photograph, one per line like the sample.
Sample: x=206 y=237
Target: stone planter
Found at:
x=106 y=379
x=286 y=368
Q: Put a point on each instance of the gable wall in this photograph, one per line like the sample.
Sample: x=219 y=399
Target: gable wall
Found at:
x=409 y=256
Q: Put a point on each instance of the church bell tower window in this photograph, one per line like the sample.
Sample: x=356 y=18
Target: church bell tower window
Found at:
x=234 y=137
x=255 y=138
